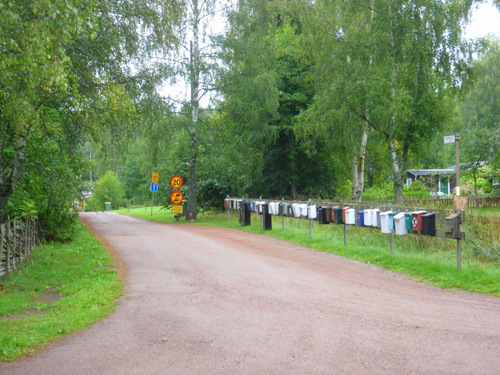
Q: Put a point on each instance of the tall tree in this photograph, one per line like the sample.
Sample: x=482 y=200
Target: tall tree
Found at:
x=34 y=66
x=480 y=113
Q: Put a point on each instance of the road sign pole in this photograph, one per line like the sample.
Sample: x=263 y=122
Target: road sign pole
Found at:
x=152 y=202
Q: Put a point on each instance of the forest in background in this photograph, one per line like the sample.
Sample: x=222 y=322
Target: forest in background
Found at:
x=308 y=99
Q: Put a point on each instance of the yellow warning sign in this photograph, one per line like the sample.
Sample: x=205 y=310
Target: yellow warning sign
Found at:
x=177 y=209
x=155 y=177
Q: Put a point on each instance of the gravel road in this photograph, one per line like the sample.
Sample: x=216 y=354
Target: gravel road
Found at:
x=202 y=300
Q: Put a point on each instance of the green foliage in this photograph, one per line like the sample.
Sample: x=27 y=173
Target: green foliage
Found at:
x=69 y=287
x=106 y=189
x=418 y=186
x=211 y=194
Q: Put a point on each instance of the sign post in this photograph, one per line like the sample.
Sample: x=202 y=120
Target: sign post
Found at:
x=177 y=197
x=457 y=201
x=154 y=188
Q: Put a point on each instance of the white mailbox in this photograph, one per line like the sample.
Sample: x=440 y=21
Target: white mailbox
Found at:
x=313 y=212
x=303 y=209
x=400 y=224
x=368 y=217
x=385 y=222
x=374 y=217
x=296 y=209
x=350 y=216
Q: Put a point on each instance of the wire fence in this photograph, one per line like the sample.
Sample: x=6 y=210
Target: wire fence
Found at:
x=17 y=241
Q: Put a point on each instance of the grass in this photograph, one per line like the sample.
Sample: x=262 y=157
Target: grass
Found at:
x=69 y=287
x=422 y=257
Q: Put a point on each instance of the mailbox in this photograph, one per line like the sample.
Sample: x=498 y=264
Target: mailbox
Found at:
x=400 y=224
x=373 y=217
x=379 y=224
x=361 y=218
x=303 y=209
x=350 y=216
x=344 y=210
x=391 y=220
x=408 y=221
x=324 y=215
x=429 y=224
x=328 y=214
x=453 y=225
x=337 y=213
x=385 y=221
x=312 y=212
x=289 y=210
x=417 y=220
x=368 y=217
x=245 y=213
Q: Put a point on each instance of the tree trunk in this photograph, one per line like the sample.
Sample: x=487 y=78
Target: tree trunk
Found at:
x=195 y=102
x=396 y=169
x=358 y=171
x=11 y=175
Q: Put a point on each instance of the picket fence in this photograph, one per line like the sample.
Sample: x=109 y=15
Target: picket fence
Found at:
x=17 y=241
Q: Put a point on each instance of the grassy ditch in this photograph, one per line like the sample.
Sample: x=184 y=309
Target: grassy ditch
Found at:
x=423 y=257
x=69 y=287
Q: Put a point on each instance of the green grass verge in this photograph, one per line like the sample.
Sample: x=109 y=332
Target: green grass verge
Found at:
x=422 y=257
x=69 y=287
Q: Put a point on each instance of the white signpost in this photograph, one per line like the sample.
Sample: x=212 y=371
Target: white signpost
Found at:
x=449 y=139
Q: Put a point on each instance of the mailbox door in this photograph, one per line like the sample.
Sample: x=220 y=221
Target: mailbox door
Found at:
x=429 y=224
x=361 y=218
x=408 y=221
x=400 y=224
x=339 y=215
x=384 y=222
x=417 y=221
x=350 y=216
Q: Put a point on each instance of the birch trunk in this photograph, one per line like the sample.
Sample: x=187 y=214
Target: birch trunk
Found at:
x=195 y=101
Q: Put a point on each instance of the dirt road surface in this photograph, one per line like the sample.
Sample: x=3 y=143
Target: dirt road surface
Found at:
x=202 y=300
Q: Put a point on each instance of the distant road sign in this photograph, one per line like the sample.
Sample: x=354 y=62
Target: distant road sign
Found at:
x=154 y=186
x=176 y=197
x=176 y=182
x=155 y=177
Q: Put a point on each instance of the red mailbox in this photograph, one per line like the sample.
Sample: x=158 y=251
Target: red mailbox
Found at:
x=417 y=222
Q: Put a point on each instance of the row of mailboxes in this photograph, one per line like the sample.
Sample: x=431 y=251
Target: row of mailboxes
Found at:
x=399 y=223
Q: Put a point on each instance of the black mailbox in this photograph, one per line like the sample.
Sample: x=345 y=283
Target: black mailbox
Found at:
x=429 y=224
x=322 y=215
x=328 y=211
x=245 y=213
x=267 y=223
x=453 y=225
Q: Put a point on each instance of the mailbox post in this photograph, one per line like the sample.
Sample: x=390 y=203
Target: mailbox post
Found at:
x=452 y=229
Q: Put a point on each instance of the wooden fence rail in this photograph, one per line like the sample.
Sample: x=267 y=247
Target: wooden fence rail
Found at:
x=17 y=241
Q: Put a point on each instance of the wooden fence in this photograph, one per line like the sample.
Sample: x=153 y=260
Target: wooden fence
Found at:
x=447 y=202
x=17 y=240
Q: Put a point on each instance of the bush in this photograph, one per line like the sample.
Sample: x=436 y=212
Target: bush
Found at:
x=106 y=189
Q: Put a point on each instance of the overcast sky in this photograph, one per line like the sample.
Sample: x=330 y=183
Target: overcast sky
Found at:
x=485 y=20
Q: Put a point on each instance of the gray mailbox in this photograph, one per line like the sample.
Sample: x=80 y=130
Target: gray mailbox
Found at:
x=453 y=225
